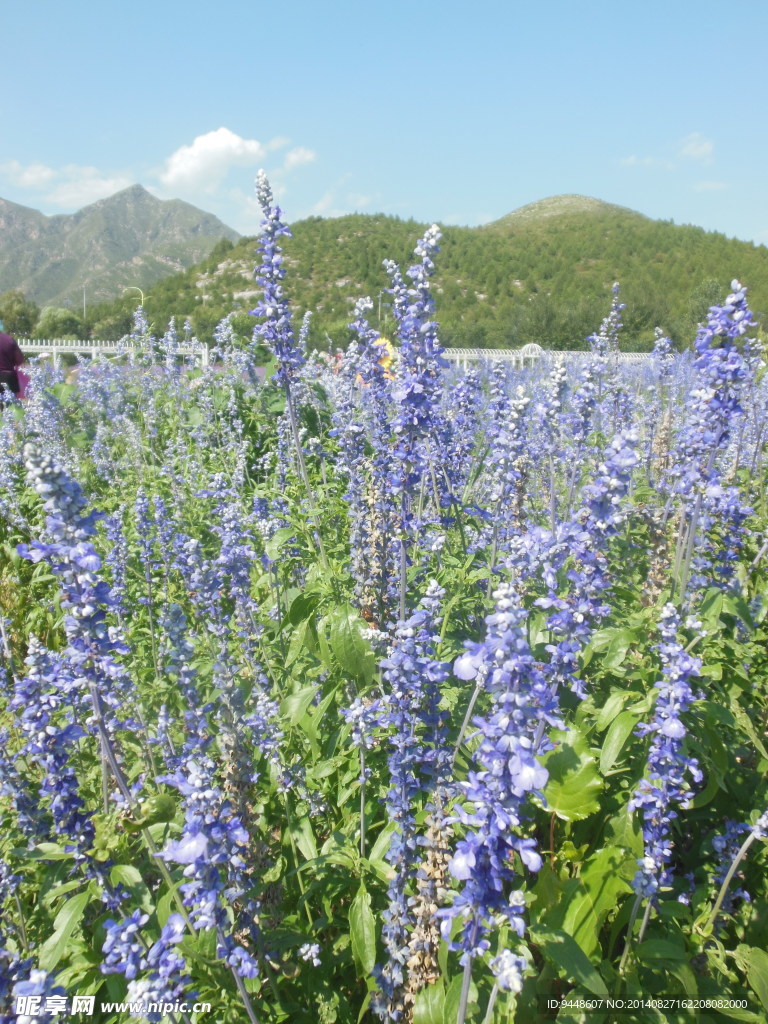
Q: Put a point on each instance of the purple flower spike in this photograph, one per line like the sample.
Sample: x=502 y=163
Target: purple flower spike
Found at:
x=277 y=330
x=512 y=737
x=666 y=788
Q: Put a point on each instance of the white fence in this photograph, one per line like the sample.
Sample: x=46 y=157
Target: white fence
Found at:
x=56 y=347
x=519 y=357
x=529 y=354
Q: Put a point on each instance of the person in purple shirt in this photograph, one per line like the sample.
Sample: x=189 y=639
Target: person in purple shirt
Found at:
x=10 y=359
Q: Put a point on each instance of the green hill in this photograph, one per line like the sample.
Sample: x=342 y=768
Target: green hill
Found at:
x=542 y=273
x=558 y=206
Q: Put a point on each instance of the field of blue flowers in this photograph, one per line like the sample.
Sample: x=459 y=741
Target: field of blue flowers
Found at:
x=379 y=690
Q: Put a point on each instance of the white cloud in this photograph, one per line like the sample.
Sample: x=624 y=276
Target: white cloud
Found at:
x=204 y=162
x=247 y=214
x=205 y=172
x=68 y=187
x=696 y=147
x=298 y=156
x=325 y=206
x=79 y=186
x=337 y=202
x=31 y=176
x=710 y=186
x=646 y=161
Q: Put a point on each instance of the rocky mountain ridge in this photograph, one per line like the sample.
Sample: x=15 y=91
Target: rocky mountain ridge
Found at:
x=131 y=239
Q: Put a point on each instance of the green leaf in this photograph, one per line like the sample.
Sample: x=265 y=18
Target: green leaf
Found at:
x=611 y=708
x=302 y=608
x=618 y=648
x=383 y=841
x=50 y=851
x=322 y=642
x=453 y=997
x=158 y=808
x=704 y=796
x=168 y=903
x=746 y=724
x=362 y=932
x=304 y=838
x=682 y=971
x=67 y=919
x=574 y=784
x=298 y=643
x=429 y=1004
x=660 y=949
x=349 y=645
x=55 y=894
x=596 y=892
x=129 y=875
x=277 y=541
x=364 y=1007
x=709 y=609
x=79 y=439
x=294 y=707
x=624 y=831
x=615 y=641
x=560 y=949
x=757 y=974
x=747 y=1016
x=734 y=604
x=620 y=730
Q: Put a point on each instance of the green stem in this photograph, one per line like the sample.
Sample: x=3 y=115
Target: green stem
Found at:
x=689 y=546
x=552 y=496
x=628 y=943
x=362 y=801
x=727 y=880
x=7 y=650
x=22 y=926
x=465 y=723
x=245 y=998
x=305 y=477
x=644 y=924
x=457 y=511
x=280 y=640
x=492 y=561
x=694 y=527
x=241 y=988
x=104 y=780
x=491 y=1003
x=294 y=851
x=125 y=791
x=461 y=1013
x=403 y=577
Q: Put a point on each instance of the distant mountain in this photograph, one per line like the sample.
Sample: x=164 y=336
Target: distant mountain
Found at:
x=129 y=239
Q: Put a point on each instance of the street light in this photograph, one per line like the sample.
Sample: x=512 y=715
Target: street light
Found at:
x=135 y=288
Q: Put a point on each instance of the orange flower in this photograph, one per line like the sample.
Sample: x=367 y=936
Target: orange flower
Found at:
x=386 y=360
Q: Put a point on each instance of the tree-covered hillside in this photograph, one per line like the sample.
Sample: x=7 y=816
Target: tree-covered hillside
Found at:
x=544 y=278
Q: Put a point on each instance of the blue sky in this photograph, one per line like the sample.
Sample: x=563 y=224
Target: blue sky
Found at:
x=441 y=111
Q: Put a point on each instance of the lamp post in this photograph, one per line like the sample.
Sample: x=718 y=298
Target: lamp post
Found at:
x=135 y=288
